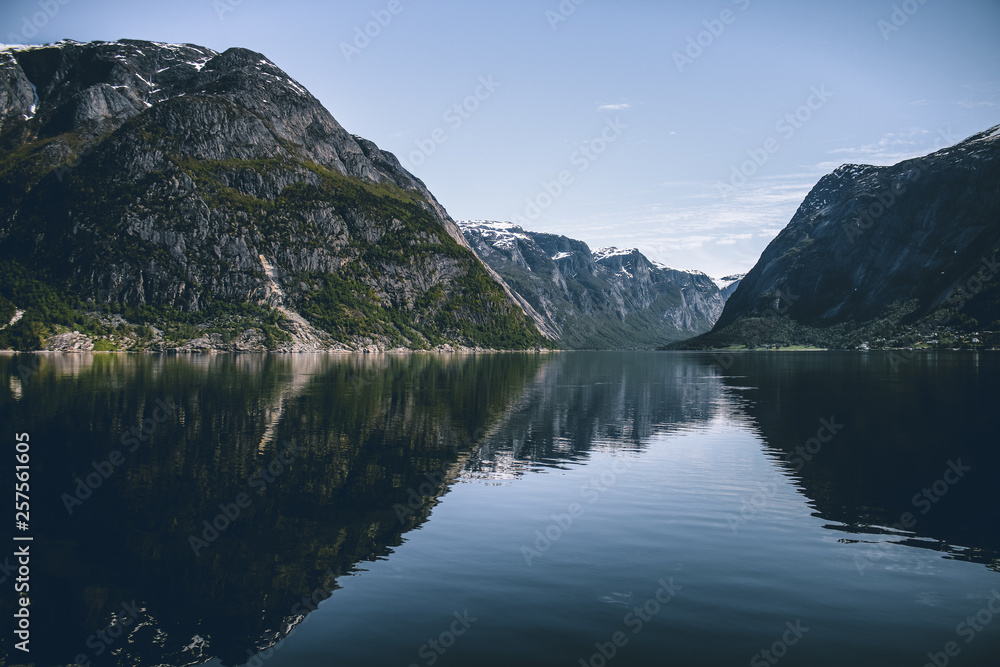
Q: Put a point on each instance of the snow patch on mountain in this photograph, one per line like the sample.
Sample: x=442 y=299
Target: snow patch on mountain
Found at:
x=612 y=251
x=502 y=235
x=34 y=102
x=725 y=282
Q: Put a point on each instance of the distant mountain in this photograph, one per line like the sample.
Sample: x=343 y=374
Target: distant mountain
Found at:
x=608 y=298
x=896 y=256
x=159 y=196
x=728 y=285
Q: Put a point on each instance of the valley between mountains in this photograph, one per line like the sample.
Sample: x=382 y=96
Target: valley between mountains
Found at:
x=161 y=197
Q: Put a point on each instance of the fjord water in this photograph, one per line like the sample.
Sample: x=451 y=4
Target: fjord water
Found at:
x=563 y=509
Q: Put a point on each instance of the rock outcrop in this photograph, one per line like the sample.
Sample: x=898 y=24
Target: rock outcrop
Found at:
x=180 y=186
x=608 y=298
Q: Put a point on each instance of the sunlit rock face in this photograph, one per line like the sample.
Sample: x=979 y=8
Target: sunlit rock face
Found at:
x=606 y=298
x=146 y=174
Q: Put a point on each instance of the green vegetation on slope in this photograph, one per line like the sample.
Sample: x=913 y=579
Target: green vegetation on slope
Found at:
x=49 y=311
x=470 y=310
x=945 y=328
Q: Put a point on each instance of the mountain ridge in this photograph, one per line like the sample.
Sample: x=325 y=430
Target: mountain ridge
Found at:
x=606 y=298
x=175 y=189
x=885 y=256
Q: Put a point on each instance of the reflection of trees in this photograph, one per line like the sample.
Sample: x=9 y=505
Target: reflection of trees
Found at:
x=370 y=428
x=367 y=430
x=901 y=429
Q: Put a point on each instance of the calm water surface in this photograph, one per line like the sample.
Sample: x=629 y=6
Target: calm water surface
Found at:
x=567 y=509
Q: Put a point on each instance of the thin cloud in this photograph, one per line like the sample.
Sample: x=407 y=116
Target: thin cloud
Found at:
x=614 y=107
x=968 y=104
x=891 y=148
x=732 y=239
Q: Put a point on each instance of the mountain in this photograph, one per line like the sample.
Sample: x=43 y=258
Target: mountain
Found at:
x=728 y=284
x=893 y=256
x=608 y=298
x=159 y=196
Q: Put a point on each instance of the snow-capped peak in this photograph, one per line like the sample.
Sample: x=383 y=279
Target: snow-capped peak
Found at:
x=662 y=266
x=488 y=224
x=612 y=251
x=499 y=234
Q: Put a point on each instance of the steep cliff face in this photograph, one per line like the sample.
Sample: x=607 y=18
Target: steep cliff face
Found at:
x=867 y=237
x=911 y=244
x=173 y=184
x=608 y=298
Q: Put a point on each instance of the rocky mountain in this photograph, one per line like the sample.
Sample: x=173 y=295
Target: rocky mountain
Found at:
x=160 y=196
x=728 y=284
x=608 y=298
x=881 y=255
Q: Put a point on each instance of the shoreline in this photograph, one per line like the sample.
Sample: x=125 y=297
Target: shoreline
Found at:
x=331 y=352
x=458 y=351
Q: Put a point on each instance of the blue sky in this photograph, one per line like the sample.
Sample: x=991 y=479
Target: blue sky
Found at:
x=689 y=130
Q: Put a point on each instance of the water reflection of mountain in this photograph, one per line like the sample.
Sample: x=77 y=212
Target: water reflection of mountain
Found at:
x=367 y=430
x=585 y=400
x=903 y=424
x=377 y=434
